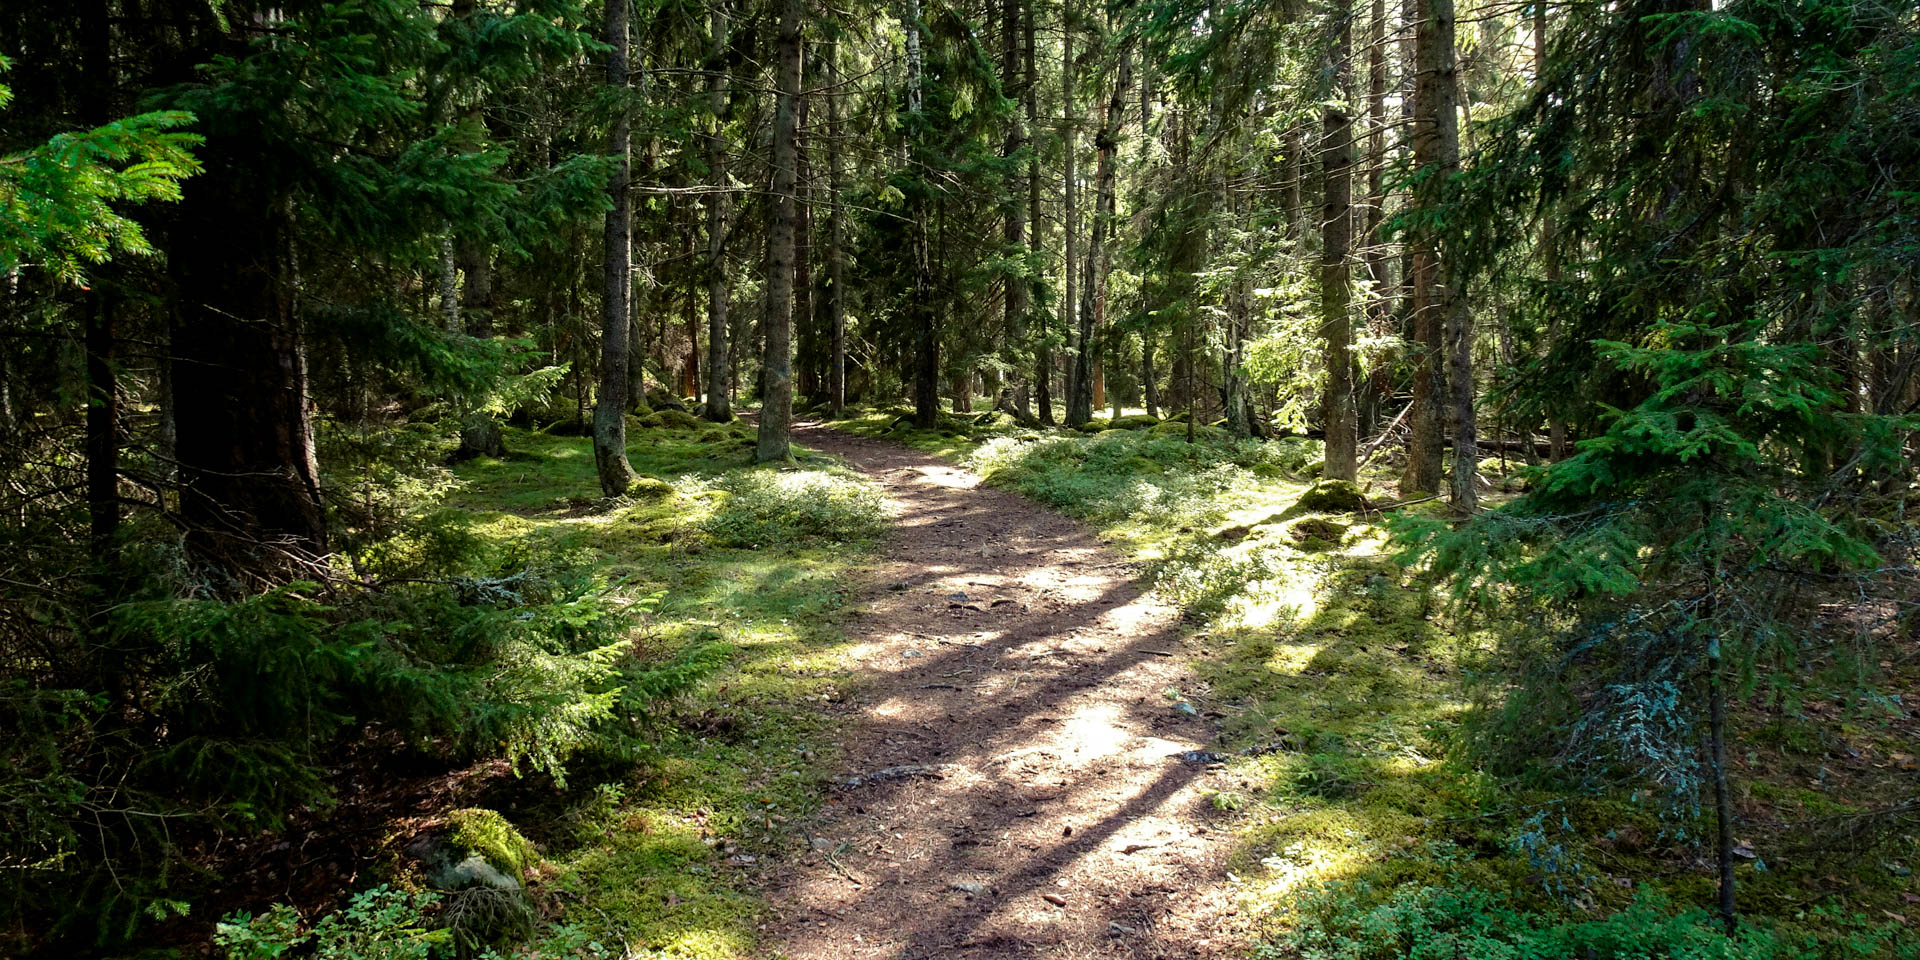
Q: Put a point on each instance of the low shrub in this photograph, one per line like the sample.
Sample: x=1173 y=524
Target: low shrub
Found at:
x=765 y=508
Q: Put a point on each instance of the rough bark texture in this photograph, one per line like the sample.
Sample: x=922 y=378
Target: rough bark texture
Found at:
x=103 y=389
x=776 y=411
x=1426 y=421
x=1070 y=214
x=1455 y=312
x=610 y=410
x=1336 y=235
x=719 y=406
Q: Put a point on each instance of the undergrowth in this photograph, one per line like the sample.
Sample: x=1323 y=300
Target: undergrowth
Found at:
x=729 y=573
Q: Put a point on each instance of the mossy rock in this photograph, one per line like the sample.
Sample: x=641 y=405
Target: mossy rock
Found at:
x=1113 y=432
x=1316 y=534
x=1333 y=496
x=1314 y=467
x=488 y=834
x=1143 y=465
x=1171 y=428
x=672 y=420
x=1268 y=471
x=1134 y=421
x=650 y=488
x=1095 y=425
x=660 y=399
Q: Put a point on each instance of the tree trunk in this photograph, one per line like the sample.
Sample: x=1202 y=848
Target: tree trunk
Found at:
x=249 y=480
x=926 y=346
x=1070 y=215
x=836 y=256
x=1336 y=230
x=610 y=408
x=103 y=388
x=1426 y=421
x=1011 y=47
x=719 y=405
x=1080 y=403
x=1454 y=310
x=805 y=334
x=776 y=410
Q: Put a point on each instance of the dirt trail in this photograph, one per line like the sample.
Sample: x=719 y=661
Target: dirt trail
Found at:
x=1020 y=787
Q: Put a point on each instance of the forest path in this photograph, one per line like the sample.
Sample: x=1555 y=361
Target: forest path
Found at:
x=1013 y=781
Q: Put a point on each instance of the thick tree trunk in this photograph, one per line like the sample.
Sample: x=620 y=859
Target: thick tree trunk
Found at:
x=1030 y=98
x=1336 y=234
x=1426 y=421
x=610 y=409
x=805 y=335
x=719 y=405
x=249 y=480
x=1454 y=310
x=836 y=255
x=776 y=410
x=1080 y=404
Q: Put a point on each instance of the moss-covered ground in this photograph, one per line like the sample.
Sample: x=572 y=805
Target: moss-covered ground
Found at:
x=658 y=864
x=1344 y=684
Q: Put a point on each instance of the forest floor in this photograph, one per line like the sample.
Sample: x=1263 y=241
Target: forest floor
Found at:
x=1021 y=776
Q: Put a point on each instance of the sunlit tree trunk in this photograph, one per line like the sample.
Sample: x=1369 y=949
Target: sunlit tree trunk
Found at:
x=1070 y=215
x=610 y=409
x=1080 y=403
x=719 y=405
x=776 y=410
x=1336 y=235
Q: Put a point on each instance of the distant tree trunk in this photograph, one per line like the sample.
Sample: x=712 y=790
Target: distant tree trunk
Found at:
x=719 y=405
x=836 y=255
x=1070 y=217
x=1556 y=425
x=776 y=411
x=1336 y=232
x=1149 y=379
x=926 y=347
x=1011 y=47
x=806 y=335
x=1093 y=292
x=1030 y=98
x=610 y=409
x=103 y=388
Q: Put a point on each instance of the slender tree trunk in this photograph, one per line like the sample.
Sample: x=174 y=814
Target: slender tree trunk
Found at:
x=1030 y=98
x=1070 y=217
x=776 y=410
x=610 y=409
x=1011 y=48
x=719 y=405
x=926 y=352
x=1336 y=230
x=103 y=388
x=836 y=255
x=805 y=334
x=1080 y=404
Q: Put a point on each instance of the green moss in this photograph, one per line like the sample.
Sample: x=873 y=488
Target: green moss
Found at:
x=1134 y=421
x=671 y=419
x=488 y=834
x=1333 y=496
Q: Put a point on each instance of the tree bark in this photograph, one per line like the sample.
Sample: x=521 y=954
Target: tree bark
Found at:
x=719 y=405
x=926 y=325
x=1336 y=230
x=1080 y=403
x=610 y=408
x=1011 y=48
x=1070 y=216
x=776 y=410
x=103 y=388
x=1455 y=311
x=1426 y=421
